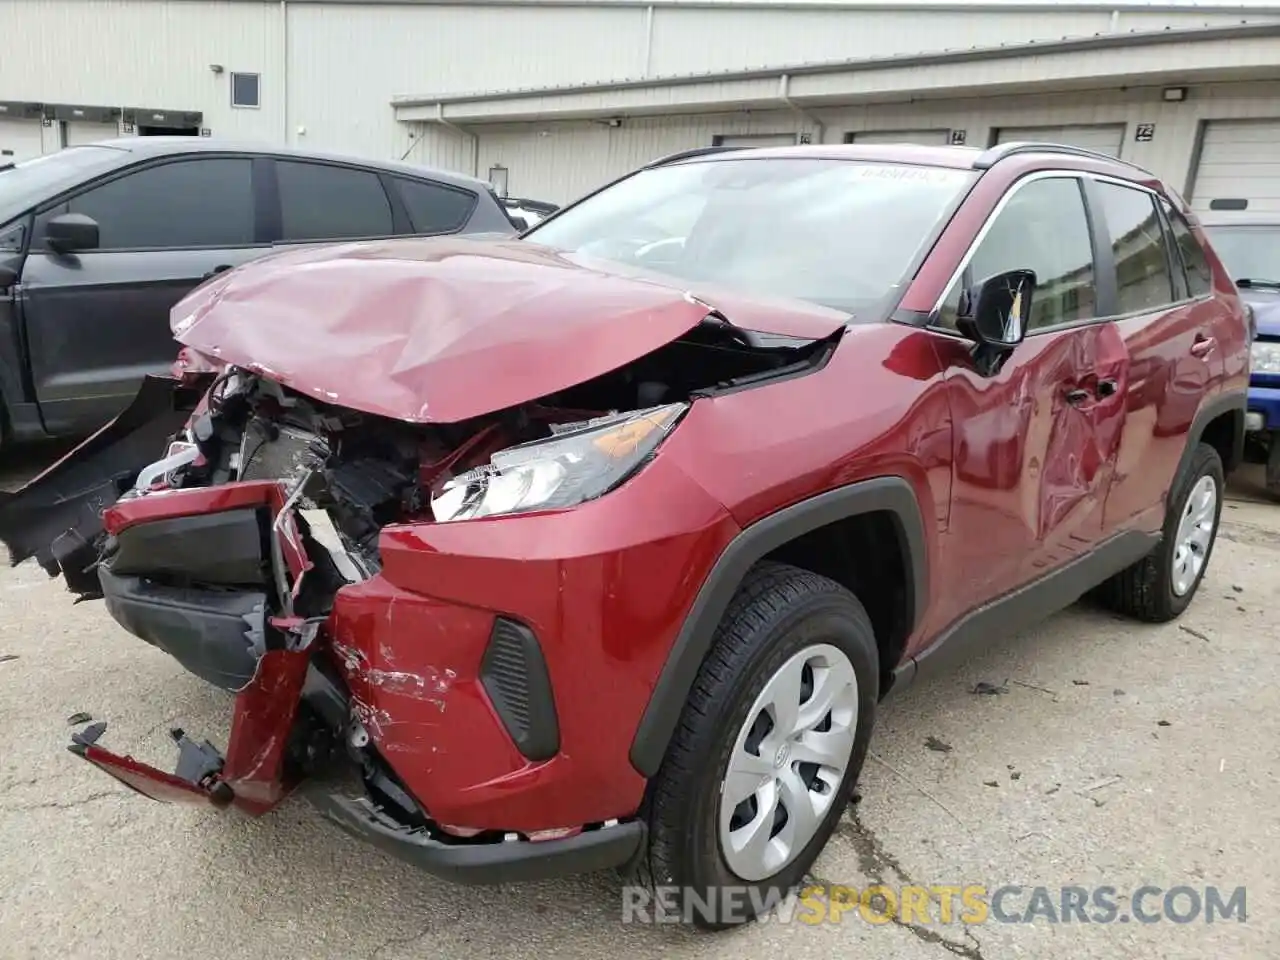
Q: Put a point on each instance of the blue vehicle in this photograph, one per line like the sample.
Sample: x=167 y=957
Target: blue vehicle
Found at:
x=1250 y=248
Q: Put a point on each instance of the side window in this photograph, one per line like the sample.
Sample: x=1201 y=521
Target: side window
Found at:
x=433 y=207
x=186 y=203
x=1143 y=280
x=1199 y=276
x=324 y=202
x=11 y=237
x=1043 y=227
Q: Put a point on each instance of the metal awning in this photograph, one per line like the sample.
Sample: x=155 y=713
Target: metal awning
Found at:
x=1241 y=51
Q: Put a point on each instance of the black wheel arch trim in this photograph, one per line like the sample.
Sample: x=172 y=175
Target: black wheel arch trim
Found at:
x=891 y=494
x=1234 y=401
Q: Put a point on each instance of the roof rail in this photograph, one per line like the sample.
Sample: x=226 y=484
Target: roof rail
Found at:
x=990 y=157
x=694 y=152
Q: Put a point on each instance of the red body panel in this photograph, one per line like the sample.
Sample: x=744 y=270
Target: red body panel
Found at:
x=605 y=587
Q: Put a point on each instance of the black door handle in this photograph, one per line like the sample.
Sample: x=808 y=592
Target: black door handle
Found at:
x=215 y=271
x=1107 y=388
x=1077 y=396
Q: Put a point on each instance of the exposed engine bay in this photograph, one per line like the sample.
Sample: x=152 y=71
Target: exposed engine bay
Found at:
x=349 y=474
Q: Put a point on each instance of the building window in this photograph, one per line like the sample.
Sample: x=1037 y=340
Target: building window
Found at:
x=244 y=90
x=498 y=180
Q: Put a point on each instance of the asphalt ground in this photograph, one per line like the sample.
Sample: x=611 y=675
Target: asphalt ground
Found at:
x=1096 y=753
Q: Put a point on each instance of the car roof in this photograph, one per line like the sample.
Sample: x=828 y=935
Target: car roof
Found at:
x=146 y=148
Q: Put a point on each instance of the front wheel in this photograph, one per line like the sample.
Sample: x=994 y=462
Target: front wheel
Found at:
x=768 y=749
x=1160 y=586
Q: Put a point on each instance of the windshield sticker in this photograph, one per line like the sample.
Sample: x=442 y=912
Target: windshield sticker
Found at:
x=896 y=172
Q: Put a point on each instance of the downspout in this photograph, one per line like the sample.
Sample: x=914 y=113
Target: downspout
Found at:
x=648 y=41
x=473 y=137
x=284 y=70
x=784 y=94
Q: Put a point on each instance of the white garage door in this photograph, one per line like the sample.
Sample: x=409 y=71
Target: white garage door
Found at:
x=19 y=140
x=1102 y=138
x=930 y=137
x=757 y=140
x=79 y=132
x=1239 y=160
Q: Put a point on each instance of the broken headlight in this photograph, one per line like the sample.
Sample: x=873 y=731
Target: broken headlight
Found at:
x=579 y=463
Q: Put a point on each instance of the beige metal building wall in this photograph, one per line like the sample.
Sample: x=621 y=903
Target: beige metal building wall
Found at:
x=692 y=39
x=146 y=53
x=560 y=160
x=329 y=70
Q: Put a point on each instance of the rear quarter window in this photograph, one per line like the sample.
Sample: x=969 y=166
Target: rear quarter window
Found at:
x=1199 y=276
x=434 y=207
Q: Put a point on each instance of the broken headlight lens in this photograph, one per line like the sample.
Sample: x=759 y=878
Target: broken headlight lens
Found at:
x=581 y=462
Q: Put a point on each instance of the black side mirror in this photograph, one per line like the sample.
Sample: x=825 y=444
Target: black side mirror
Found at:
x=994 y=314
x=71 y=233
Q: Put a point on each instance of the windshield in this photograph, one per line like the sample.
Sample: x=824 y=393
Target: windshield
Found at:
x=1250 y=252
x=839 y=233
x=29 y=181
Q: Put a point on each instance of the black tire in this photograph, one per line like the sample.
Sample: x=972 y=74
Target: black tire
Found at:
x=778 y=611
x=1271 y=476
x=1145 y=591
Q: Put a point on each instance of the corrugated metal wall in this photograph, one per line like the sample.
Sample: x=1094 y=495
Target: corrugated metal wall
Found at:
x=697 y=40
x=139 y=53
x=561 y=160
x=329 y=71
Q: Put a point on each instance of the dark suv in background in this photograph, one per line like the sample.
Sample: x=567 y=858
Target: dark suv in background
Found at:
x=98 y=242
x=1249 y=245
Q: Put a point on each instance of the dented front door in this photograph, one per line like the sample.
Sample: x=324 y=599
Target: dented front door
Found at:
x=1034 y=450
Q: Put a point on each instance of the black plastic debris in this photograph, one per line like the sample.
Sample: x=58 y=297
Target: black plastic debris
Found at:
x=984 y=689
x=936 y=745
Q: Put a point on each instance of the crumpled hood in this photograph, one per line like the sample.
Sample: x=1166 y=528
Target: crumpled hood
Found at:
x=1266 y=310
x=446 y=329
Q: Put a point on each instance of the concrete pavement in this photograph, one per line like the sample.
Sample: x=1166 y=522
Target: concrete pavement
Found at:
x=1113 y=754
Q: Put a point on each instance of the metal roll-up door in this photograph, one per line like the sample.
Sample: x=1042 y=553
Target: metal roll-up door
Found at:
x=79 y=132
x=927 y=137
x=755 y=140
x=1239 y=166
x=19 y=140
x=1101 y=138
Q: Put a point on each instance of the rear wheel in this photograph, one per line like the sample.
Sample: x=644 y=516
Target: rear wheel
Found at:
x=768 y=749
x=1160 y=586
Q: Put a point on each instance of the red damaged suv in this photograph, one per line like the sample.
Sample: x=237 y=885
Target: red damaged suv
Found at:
x=599 y=547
